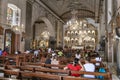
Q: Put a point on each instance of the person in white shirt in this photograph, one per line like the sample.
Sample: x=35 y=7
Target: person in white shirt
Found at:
x=99 y=59
x=77 y=56
x=36 y=52
x=89 y=67
x=55 y=61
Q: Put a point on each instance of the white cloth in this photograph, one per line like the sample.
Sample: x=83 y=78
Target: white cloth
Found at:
x=77 y=56
x=36 y=52
x=53 y=54
x=56 y=62
x=49 y=50
x=16 y=52
x=27 y=52
x=89 y=67
x=98 y=59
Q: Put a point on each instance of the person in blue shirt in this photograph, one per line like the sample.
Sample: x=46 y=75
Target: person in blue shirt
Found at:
x=0 y=51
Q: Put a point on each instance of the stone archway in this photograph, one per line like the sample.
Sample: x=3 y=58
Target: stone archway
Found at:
x=49 y=25
x=38 y=28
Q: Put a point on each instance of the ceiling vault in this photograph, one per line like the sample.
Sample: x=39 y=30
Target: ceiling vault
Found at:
x=47 y=8
x=61 y=9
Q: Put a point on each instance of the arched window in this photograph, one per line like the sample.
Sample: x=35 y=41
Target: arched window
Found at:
x=13 y=15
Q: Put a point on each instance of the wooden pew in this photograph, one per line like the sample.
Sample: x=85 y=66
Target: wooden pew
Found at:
x=106 y=75
x=22 y=74
x=2 y=78
x=31 y=68
x=35 y=69
x=76 y=78
x=18 y=58
x=40 y=75
x=43 y=65
x=12 y=58
x=53 y=65
x=2 y=59
x=28 y=57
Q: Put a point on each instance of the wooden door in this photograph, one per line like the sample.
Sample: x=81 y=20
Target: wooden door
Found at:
x=9 y=41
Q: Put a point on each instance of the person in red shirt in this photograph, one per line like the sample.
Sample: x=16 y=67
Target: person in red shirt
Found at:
x=4 y=53
x=75 y=66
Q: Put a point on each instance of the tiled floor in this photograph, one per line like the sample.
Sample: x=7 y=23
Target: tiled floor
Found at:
x=112 y=67
x=113 y=70
x=114 y=77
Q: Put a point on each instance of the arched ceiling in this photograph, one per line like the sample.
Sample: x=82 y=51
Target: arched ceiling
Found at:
x=87 y=8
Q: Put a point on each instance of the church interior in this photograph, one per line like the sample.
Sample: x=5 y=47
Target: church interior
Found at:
x=59 y=39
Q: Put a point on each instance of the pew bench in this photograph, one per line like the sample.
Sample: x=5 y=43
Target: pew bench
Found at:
x=36 y=69
x=21 y=74
x=43 y=65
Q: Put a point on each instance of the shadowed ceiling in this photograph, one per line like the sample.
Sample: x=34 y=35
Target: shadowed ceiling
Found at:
x=86 y=8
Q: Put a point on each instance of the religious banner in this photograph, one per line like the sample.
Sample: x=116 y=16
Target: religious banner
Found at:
x=1 y=30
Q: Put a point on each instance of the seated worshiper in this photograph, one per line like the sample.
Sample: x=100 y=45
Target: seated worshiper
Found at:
x=48 y=59
x=89 y=67
x=55 y=61
x=98 y=58
x=4 y=53
x=75 y=66
x=77 y=55
x=60 y=53
x=36 y=52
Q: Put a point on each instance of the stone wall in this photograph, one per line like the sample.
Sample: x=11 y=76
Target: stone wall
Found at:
x=40 y=13
x=3 y=16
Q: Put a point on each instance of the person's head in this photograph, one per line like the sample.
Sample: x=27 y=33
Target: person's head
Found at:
x=49 y=56
x=87 y=60
x=75 y=62
x=78 y=52
x=97 y=55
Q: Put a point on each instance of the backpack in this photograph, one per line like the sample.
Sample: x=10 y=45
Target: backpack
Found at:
x=101 y=70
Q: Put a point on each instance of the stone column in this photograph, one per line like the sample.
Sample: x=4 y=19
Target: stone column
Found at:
x=58 y=33
x=118 y=56
x=0 y=10
x=110 y=47
x=28 y=28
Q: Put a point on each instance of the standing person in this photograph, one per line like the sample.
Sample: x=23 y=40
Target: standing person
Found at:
x=89 y=67
x=75 y=66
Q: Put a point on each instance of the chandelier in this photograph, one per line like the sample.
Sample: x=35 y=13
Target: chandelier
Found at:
x=79 y=31
x=73 y=22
